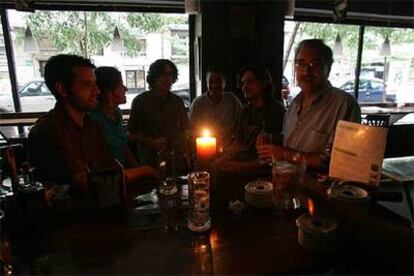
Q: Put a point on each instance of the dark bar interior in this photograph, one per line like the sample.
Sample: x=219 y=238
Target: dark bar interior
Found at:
x=206 y=137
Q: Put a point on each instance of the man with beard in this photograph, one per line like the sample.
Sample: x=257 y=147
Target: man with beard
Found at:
x=311 y=119
x=65 y=141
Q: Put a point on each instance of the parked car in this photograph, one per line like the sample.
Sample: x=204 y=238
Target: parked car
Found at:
x=370 y=90
x=35 y=96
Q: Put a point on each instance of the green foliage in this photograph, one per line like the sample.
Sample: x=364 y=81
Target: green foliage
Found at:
x=373 y=36
x=86 y=33
x=148 y=22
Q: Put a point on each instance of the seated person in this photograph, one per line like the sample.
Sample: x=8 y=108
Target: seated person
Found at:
x=311 y=119
x=109 y=116
x=217 y=109
x=65 y=141
x=158 y=121
x=262 y=114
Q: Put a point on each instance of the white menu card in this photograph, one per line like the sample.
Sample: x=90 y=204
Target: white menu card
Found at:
x=357 y=152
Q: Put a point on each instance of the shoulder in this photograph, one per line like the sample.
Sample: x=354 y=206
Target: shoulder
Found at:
x=276 y=106
x=199 y=100
x=141 y=97
x=338 y=95
x=246 y=109
x=174 y=96
x=45 y=123
x=230 y=97
x=45 y=129
x=176 y=100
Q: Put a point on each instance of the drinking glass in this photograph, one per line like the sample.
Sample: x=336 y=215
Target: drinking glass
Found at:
x=287 y=176
x=199 y=201
x=264 y=139
x=166 y=165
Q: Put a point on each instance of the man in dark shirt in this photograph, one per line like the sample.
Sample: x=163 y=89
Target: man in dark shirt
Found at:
x=158 y=120
x=65 y=141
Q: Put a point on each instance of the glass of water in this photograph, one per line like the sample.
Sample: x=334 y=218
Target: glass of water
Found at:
x=199 y=201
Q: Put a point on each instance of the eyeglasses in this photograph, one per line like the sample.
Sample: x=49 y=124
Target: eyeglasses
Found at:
x=312 y=65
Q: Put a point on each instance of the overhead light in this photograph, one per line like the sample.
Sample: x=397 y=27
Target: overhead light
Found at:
x=192 y=6
x=338 y=51
x=117 y=44
x=290 y=9
x=386 y=48
x=30 y=44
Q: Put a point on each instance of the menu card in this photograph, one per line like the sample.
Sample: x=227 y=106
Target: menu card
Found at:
x=357 y=152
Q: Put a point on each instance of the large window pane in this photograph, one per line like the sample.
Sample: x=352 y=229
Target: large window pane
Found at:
x=345 y=53
x=128 y=41
x=6 y=99
x=387 y=71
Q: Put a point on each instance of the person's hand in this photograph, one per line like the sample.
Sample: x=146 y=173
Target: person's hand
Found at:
x=263 y=139
x=270 y=152
x=159 y=143
x=232 y=167
x=50 y=195
x=285 y=93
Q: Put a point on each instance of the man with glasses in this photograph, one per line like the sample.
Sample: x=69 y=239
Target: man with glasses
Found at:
x=312 y=117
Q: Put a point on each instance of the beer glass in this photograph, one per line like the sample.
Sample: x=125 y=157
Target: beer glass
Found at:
x=287 y=176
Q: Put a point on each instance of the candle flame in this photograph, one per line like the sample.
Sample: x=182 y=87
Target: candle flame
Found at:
x=206 y=132
x=311 y=207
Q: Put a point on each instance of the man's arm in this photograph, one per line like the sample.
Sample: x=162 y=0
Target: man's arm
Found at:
x=269 y=153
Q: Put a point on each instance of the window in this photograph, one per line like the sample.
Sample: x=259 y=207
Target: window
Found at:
x=143 y=39
x=386 y=78
x=389 y=67
x=142 y=42
x=135 y=81
x=179 y=43
x=42 y=64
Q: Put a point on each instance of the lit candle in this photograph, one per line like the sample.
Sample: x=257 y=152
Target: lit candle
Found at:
x=205 y=145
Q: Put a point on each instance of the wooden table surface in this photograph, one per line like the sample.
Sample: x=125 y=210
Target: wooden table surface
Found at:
x=254 y=242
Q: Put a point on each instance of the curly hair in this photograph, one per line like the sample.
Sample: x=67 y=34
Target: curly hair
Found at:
x=156 y=70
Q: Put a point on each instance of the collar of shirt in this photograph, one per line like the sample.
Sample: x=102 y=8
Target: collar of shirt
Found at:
x=157 y=96
x=322 y=98
x=63 y=117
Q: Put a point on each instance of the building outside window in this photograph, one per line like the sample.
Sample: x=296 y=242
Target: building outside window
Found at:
x=135 y=81
x=38 y=36
x=143 y=46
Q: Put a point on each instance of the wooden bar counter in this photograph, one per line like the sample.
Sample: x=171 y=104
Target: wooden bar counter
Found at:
x=256 y=241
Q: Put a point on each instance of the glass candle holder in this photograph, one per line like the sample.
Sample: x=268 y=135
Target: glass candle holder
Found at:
x=199 y=201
